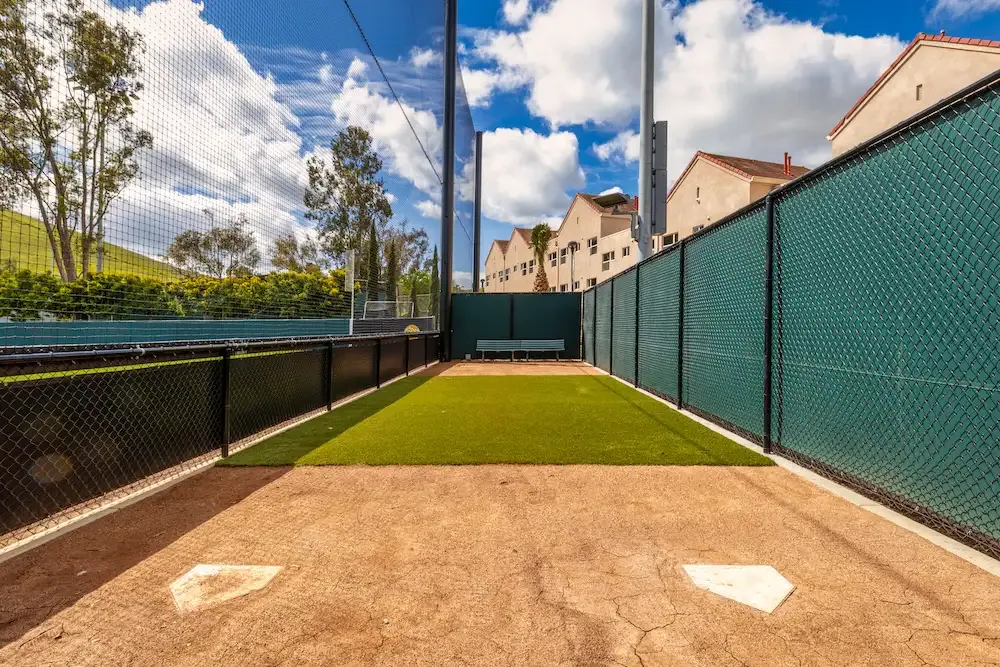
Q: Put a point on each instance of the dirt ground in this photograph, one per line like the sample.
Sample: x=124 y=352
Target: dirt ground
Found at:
x=496 y=565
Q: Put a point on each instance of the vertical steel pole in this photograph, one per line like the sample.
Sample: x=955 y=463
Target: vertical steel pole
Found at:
x=329 y=375
x=680 y=328
x=378 y=362
x=768 y=301
x=646 y=130
x=611 y=332
x=227 y=355
x=448 y=177
x=477 y=232
x=636 y=376
x=406 y=357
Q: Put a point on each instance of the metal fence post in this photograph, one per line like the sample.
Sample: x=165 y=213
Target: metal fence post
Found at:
x=227 y=355
x=680 y=328
x=378 y=362
x=768 y=302
x=406 y=357
x=329 y=375
x=427 y=344
x=635 y=381
x=611 y=333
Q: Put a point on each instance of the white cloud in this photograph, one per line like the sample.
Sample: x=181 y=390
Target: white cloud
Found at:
x=325 y=73
x=959 y=9
x=731 y=77
x=624 y=147
x=610 y=191
x=479 y=85
x=356 y=69
x=421 y=58
x=526 y=175
x=516 y=12
x=429 y=209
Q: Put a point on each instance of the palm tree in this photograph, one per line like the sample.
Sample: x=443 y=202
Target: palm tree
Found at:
x=540 y=236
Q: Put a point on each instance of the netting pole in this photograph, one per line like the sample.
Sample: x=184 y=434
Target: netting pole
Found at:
x=448 y=177
x=611 y=332
x=768 y=294
x=329 y=376
x=227 y=355
x=680 y=327
x=378 y=362
x=476 y=233
x=635 y=378
x=406 y=357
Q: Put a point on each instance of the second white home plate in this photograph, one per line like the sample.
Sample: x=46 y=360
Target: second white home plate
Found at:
x=758 y=586
x=205 y=586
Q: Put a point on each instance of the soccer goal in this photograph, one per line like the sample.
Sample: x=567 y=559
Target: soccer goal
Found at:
x=383 y=309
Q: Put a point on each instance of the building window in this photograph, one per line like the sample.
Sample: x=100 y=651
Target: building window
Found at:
x=552 y=289
x=576 y=285
x=531 y=266
x=668 y=240
x=524 y=268
x=606 y=259
x=920 y=91
x=494 y=274
x=592 y=245
x=562 y=288
x=626 y=251
x=697 y=228
x=697 y=194
x=552 y=258
x=562 y=256
x=591 y=282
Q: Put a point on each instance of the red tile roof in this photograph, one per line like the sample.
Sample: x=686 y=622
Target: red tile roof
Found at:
x=607 y=210
x=921 y=37
x=748 y=168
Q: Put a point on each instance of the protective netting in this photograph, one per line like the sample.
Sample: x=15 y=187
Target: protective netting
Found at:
x=659 y=300
x=218 y=163
x=623 y=333
x=79 y=430
x=886 y=319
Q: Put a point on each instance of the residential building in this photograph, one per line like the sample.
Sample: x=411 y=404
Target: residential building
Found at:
x=600 y=227
x=931 y=68
x=713 y=186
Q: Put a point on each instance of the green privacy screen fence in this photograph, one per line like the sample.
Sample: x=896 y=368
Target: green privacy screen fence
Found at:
x=548 y=316
x=850 y=321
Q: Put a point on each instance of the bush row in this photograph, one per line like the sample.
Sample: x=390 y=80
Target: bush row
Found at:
x=25 y=295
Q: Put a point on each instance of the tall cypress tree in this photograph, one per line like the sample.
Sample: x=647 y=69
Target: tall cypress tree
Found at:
x=373 y=265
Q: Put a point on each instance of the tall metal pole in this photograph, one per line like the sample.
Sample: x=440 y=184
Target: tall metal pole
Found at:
x=476 y=235
x=646 y=131
x=448 y=186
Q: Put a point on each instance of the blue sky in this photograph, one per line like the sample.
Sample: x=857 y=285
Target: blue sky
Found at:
x=239 y=95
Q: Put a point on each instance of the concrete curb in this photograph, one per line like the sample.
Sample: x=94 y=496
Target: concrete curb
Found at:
x=950 y=545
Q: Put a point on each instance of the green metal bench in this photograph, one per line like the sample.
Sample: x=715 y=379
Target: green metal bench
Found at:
x=526 y=346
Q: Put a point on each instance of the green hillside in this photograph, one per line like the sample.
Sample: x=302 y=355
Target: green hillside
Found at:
x=24 y=245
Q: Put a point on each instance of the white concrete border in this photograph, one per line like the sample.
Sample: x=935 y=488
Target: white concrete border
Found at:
x=950 y=545
x=89 y=516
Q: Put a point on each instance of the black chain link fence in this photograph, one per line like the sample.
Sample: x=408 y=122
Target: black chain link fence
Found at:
x=851 y=322
x=79 y=429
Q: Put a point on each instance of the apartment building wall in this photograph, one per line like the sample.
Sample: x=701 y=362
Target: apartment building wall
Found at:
x=705 y=194
x=938 y=68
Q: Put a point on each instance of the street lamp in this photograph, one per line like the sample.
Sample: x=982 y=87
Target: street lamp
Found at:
x=573 y=246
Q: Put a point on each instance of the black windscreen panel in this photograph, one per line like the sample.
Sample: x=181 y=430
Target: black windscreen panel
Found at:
x=353 y=368
x=272 y=387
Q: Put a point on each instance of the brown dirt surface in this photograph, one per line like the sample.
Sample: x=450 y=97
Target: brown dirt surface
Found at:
x=472 y=368
x=496 y=565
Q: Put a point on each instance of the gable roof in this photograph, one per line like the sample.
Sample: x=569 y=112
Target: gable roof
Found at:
x=502 y=244
x=742 y=167
x=605 y=210
x=524 y=233
x=919 y=39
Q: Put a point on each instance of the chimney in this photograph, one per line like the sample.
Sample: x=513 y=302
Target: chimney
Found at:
x=787 y=167
x=635 y=202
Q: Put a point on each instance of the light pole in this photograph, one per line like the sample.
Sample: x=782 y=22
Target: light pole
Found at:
x=646 y=130
x=573 y=245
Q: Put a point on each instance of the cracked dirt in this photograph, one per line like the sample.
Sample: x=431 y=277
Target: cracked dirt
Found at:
x=496 y=565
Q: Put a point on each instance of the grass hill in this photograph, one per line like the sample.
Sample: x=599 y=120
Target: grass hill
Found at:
x=24 y=245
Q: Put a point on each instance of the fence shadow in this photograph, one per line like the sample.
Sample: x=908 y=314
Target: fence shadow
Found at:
x=40 y=583
x=287 y=448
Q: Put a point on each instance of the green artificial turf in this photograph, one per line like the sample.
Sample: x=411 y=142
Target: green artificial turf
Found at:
x=511 y=419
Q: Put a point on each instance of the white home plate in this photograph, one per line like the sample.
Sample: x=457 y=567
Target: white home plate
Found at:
x=205 y=586
x=758 y=586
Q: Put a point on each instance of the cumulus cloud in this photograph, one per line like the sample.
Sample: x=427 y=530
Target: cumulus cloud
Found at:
x=429 y=209
x=731 y=76
x=962 y=9
x=421 y=58
x=527 y=175
x=516 y=12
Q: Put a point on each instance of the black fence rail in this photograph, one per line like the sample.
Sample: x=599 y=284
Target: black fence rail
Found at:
x=80 y=428
x=849 y=321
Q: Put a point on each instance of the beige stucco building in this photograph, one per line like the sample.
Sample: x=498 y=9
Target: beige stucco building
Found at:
x=928 y=70
x=605 y=247
x=713 y=186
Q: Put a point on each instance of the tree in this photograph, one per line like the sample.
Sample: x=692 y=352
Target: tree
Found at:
x=435 y=285
x=391 y=269
x=348 y=200
x=541 y=234
x=227 y=251
x=289 y=254
x=68 y=84
x=372 y=265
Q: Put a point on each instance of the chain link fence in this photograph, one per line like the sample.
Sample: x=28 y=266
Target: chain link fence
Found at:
x=850 y=322
x=81 y=429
